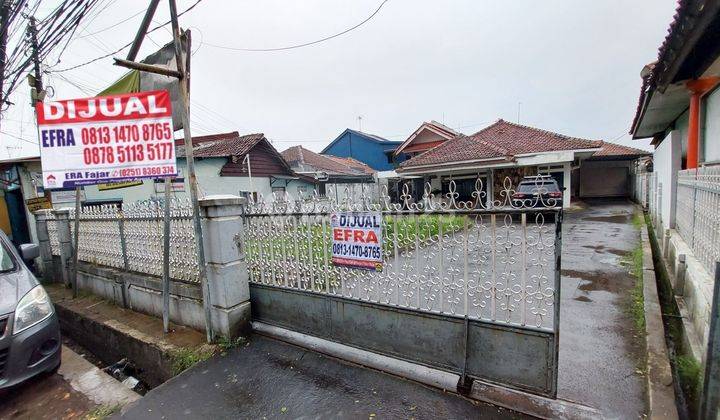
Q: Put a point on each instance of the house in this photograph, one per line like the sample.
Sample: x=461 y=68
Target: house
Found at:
x=679 y=110
x=374 y=151
x=327 y=170
x=221 y=164
x=427 y=136
x=506 y=149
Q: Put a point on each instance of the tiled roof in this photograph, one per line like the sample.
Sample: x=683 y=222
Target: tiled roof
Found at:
x=299 y=157
x=440 y=129
x=501 y=140
x=352 y=163
x=444 y=128
x=220 y=145
x=681 y=33
x=613 y=150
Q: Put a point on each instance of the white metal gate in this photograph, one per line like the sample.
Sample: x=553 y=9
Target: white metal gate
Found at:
x=471 y=287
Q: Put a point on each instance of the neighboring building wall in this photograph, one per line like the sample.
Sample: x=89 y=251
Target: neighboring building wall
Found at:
x=711 y=133
x=666 y=162
x=361 y=148
x=209 y=183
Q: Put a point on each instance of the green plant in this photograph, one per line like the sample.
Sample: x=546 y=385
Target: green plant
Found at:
x=186 y=357
x=102 y=412
x=638 y=220
x=634 y=259
x=226 y=343
x=690 y=373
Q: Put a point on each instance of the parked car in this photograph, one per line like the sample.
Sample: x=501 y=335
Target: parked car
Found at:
x=29 y=330
x=537 y=191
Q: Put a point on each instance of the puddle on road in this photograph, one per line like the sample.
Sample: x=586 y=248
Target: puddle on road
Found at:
x=596 y=281
x=620 y=218
x=605 y=249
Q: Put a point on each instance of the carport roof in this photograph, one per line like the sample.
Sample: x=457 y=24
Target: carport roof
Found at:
x=613 y=151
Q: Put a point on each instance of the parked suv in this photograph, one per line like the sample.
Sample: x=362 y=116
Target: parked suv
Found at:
x=538 y=191
x=29 y=332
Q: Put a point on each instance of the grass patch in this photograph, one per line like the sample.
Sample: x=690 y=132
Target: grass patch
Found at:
x=638 y=220
x=422 y=227
x=225 y=344
x=314 y=242
x=102 y=412
x=637 y=305
x=690 y=373
x=186 y=357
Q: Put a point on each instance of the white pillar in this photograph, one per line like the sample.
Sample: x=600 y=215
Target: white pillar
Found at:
x=567 y=180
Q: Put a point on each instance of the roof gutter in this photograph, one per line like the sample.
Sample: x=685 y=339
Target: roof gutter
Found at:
x=435 y=165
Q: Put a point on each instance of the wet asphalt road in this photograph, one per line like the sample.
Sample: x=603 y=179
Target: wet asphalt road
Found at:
x=271 y=379
x=600 y=350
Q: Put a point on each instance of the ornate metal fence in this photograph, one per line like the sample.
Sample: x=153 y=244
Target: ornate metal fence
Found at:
x=491 y=262
x=131 y=238
x=698 y=218
x=53 y=233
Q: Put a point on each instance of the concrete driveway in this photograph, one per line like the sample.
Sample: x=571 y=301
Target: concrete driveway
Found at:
x=268 y=379
x=600 y=351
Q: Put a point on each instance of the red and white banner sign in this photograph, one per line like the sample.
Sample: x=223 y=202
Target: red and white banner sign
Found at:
x=357 y=240
x=106 y=139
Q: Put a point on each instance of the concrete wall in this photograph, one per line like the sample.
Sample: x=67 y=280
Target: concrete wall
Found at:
x=667 y=160
x=143 y=293
x=693 y=287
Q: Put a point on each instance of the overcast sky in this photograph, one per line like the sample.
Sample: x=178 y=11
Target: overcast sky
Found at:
x=573 y=65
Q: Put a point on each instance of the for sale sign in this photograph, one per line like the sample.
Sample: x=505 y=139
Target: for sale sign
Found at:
x=357 y=240
x=106 y=139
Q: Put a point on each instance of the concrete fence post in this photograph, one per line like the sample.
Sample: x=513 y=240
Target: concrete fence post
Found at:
x=666 y=244
x=41 y=217
x=227 y=274
x=680 y=275
x=62 y=218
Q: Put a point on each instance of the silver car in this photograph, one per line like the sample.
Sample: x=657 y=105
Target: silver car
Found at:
x=29 y=331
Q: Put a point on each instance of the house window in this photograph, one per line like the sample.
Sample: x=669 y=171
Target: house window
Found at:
x=280 y=190
x=321 y=190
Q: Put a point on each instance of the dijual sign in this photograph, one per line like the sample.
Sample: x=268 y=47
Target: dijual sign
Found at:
x=106 y=139
x=357 y=240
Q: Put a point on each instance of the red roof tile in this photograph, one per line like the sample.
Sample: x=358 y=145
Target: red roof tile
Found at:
x=613 y=150
x=499 y=140
x=299 y=157
x=221 y=145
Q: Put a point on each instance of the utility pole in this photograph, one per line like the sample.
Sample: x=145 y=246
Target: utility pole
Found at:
x=4 y=21
x=192 y=178
x=38 y=84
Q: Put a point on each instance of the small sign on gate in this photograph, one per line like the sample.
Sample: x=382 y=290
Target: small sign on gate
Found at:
x=357 y=240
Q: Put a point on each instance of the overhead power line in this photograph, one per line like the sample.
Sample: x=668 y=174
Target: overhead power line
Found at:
x=113 y=25
x=20 y=138
x=306 y=44
x=124 y=46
